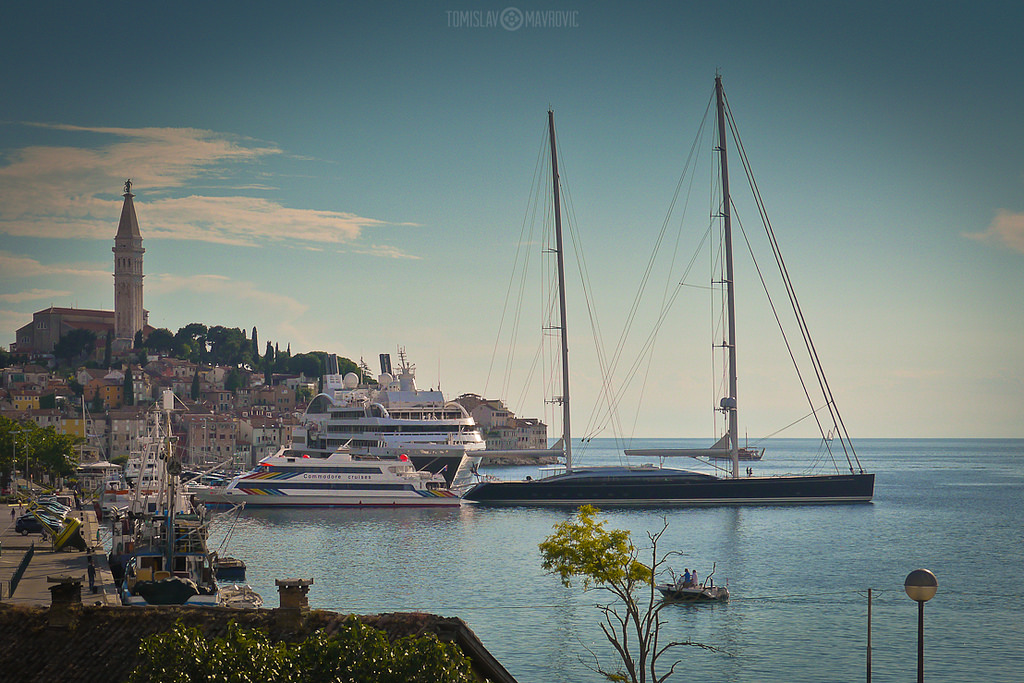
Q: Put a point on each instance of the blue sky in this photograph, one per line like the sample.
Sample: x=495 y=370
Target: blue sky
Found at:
x=352 y=177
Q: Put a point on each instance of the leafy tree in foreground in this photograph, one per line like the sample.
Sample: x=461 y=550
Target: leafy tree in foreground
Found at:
x=47 y=450
x=606 y=560
x=356 y=653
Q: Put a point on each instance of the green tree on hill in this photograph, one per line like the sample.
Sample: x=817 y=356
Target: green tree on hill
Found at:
x=268 y=364
x=160 y=341
x=190 y=342
x=129 y=387
x=75 y=345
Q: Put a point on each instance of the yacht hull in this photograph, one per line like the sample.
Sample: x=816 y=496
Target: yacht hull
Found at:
x=217 y=500
x=660 y=490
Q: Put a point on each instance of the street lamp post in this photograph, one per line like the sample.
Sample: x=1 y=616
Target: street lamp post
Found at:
x=920 y=585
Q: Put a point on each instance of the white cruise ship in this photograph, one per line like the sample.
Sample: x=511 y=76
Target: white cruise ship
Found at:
x=392 y=419
x=294 y=478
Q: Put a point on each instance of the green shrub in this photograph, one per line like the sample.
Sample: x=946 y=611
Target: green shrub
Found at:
x=356 y=653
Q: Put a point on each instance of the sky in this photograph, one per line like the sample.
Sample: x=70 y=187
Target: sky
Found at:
x=355 y=177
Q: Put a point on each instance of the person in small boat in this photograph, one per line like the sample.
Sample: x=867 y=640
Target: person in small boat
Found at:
x=693 y=579
x=684 y=580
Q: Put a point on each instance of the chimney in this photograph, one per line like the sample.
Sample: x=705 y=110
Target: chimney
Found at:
x=65 y=601
x=294 y=603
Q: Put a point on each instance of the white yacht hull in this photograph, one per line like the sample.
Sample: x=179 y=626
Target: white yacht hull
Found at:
x=226 y=499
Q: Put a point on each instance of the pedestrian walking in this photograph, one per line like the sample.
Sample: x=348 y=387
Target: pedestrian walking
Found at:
x=92 y=575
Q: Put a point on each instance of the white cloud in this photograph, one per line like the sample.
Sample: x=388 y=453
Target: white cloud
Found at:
x=34 y=295
x=10 y=321
x=71 y=191
x=1006 y=229
x=225 y=288
x=248 y=221
x=17 y=266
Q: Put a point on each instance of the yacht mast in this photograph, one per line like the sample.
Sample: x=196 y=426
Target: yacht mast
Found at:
x=729 y=402
x=566 y=440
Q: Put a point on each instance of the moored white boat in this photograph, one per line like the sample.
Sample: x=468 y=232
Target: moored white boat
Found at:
x=389 y=419
x=298 y=478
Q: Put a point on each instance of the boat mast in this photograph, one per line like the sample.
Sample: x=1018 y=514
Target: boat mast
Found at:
x=566 y=440
x=729 y=402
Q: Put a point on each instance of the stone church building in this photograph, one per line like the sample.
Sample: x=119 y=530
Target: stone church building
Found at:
x=128 y=317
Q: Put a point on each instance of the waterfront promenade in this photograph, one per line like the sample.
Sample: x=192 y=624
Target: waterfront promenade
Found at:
x=33 y=588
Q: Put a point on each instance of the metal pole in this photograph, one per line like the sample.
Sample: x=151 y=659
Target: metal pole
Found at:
x=566 y=432
x=869 y=637
x=920 y=642
x=730 y=303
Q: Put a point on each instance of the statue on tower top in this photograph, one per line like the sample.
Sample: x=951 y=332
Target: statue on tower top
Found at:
x=128 y=186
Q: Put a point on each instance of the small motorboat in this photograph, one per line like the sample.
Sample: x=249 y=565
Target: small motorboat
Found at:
x=229 y=569
x=239 y=597
x=676 y=593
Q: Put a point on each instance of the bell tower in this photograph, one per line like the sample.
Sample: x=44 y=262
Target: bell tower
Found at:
x=129 y=316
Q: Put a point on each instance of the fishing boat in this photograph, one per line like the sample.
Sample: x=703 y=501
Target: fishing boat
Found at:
x=686 y=588
x=299 y=478
x=655 y=484
x=159 y=543
x=389 y=419
x=673 y=593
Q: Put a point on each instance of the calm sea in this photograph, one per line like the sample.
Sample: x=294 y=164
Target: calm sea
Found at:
x=798 y=575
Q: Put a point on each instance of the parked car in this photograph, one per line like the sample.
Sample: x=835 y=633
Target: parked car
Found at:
x=28 y=524
x=53 y=509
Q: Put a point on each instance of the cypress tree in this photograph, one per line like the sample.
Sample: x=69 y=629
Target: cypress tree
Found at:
x=255 y=345
x=108 y=350
x=195 y=386
x=129 y=387
x=268 y=364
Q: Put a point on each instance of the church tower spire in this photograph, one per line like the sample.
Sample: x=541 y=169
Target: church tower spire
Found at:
x=129 y=316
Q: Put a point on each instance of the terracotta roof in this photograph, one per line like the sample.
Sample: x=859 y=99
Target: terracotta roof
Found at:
x=101 y=644
x=67 y=311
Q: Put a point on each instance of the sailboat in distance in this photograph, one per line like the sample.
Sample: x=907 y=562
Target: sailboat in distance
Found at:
x=654 y=485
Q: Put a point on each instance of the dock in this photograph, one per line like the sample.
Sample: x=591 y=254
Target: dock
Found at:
x=33 y=588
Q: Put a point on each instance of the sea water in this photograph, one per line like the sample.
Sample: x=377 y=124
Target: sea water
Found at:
x=799 y=575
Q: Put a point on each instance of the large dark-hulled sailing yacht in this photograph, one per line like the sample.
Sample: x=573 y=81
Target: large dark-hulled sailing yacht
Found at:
x=653 y=485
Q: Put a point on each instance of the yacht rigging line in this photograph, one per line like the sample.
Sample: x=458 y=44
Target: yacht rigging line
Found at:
x=595 y=327
x=598 y=420
x=826 y=390
x=522 y=256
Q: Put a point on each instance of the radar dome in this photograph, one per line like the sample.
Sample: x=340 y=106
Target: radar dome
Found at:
x=351 y=380
x=385 y=379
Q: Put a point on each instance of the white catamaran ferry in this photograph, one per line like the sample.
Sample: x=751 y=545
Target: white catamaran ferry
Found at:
x=300 y=478
x=392 y=419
